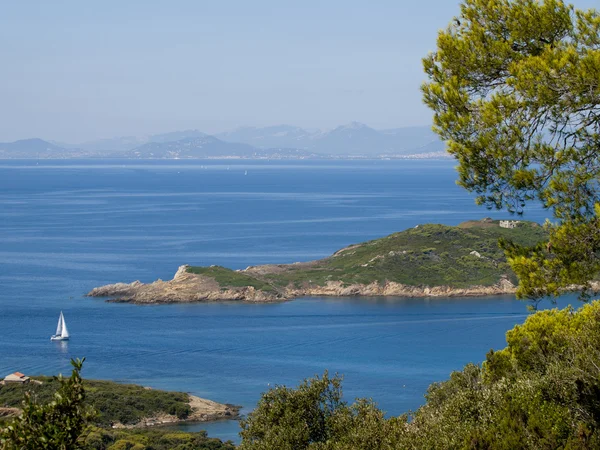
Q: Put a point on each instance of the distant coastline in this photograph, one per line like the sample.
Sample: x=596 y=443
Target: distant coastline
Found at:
x=419 y=156
x=426 y=261
x=350 y=141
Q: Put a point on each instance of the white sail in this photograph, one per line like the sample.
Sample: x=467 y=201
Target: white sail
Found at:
x=59 y=327
x=64 y=332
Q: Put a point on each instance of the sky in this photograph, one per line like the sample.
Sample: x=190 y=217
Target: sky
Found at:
x=73 y=71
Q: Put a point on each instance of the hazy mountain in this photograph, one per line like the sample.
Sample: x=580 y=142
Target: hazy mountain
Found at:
x=269 y=137
x=281 y=141
x=359 y=139
x=412 y=138
x=211 y=147
x=34 y=148
x=126 y=143
x=191 y=147
x=111 y=145
x=433 y=146
x=351 y=139
x=176 y=136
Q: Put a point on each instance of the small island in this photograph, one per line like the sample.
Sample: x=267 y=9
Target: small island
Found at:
x=425 y=261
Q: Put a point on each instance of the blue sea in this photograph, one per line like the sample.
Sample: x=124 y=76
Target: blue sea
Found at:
x=69 y=226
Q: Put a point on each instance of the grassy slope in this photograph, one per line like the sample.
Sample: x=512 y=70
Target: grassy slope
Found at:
x=124 y=403
x=431 y=255
x=230 y=278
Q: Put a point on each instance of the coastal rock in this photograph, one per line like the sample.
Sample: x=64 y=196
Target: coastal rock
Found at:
x=202 y=411
x=392 y=289
x=185 y=287
x=117 y=289
x=8 y=413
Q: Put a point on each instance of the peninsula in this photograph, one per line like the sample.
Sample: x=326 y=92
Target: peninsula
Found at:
x=121 y=405
x=425 y=261
x=126 y=416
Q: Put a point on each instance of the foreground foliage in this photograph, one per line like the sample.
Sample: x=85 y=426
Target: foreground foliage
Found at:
x=152 y=439
x=64 y=414
x=540 y=392
x=59 y=424
x=515 y=92
x=314 y=416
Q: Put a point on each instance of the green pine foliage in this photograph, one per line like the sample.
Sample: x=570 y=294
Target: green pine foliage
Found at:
x=514 y=89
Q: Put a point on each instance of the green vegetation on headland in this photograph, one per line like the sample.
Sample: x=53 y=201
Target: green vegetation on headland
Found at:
x=427 y=260
x=126 y=404
x=427 y=255
x=110 y=411
x=228 y=278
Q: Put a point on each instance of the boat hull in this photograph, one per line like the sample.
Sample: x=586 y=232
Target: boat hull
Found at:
x=58 y=338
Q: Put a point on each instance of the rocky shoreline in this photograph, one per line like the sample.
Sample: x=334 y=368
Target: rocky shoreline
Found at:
x=428 y=260
x=202 y=411
x=186 y=287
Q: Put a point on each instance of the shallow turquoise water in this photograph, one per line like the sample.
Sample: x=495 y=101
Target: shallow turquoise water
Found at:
x=66 y=227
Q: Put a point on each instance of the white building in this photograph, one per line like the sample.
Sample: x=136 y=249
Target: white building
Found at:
x=16 y=377
x=509 y=223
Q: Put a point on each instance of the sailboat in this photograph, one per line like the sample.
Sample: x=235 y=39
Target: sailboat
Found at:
x=62 y=333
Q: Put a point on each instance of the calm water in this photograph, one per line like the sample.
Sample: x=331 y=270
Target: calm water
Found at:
x=66 y=227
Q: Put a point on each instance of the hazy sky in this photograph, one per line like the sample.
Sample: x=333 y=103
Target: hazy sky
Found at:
x=74 y=71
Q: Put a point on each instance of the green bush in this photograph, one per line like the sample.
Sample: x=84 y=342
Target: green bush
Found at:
x=540 y=392
x=57 y=416
x=152 y=439
x=59 y=424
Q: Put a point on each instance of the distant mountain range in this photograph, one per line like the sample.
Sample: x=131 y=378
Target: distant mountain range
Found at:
x=211 y=147
x=281 y=141
x=353 y=139
x=35 y=148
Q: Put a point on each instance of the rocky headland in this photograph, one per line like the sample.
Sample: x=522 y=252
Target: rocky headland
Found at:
x=186 y=287
x=425 y=261
x=121 y=405
x=202 y=411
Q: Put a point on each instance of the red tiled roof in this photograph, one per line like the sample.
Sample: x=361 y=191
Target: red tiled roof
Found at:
x=19 y=374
